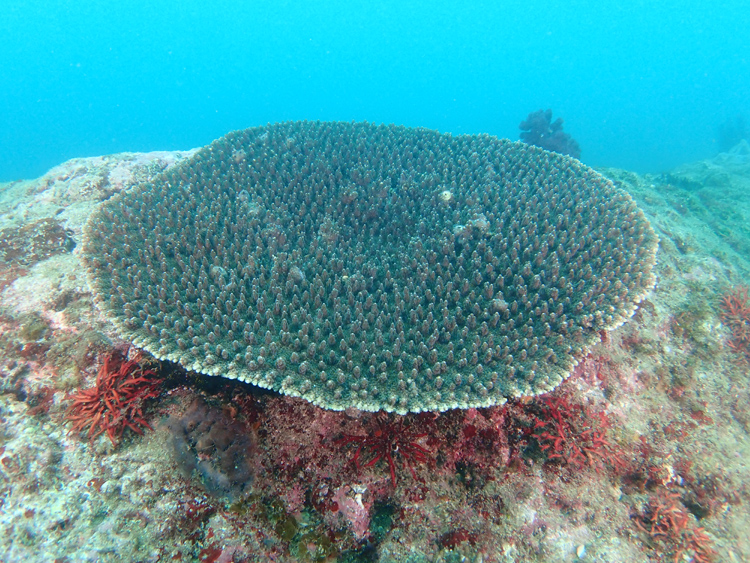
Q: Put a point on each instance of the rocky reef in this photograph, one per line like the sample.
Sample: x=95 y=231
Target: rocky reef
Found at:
x=639 y=456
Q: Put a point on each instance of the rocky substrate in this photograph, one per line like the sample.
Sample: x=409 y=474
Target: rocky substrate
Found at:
x=229 y=473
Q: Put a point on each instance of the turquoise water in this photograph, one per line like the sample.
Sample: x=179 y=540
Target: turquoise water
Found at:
x=641 y=85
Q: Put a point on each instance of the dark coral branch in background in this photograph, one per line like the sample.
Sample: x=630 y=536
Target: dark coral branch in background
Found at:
x=539 y=130
x=116 y=401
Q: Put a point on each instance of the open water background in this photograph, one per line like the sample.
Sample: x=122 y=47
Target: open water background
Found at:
x=641 y=85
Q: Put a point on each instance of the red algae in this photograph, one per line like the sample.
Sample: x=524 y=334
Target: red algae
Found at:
x=735 y=306
x=570 y=434
x=116 y=401
x=668 y=526
x=392 y=438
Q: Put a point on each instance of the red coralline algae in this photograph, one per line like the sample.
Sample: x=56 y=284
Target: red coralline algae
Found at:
x=391 y=437
x=452 y=539
x=569 y=434
x=116 y=401
x=356 y=510
x=668 y=527
x=196 y=511
x=736 y=315
x=210 y=554
x=472 y=444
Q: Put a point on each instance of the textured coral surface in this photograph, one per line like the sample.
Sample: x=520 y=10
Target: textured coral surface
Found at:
x=641 y=455
x=376 y=267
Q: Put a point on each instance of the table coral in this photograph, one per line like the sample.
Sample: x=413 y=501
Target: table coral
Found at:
x=374 y=267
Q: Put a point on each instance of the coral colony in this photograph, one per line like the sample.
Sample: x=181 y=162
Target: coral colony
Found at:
x=539 y=130
x=374 y=267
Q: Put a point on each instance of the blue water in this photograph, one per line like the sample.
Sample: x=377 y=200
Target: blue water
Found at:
x=641 y=85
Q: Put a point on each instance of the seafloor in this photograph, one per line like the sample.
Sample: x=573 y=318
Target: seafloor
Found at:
x=642 y=455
